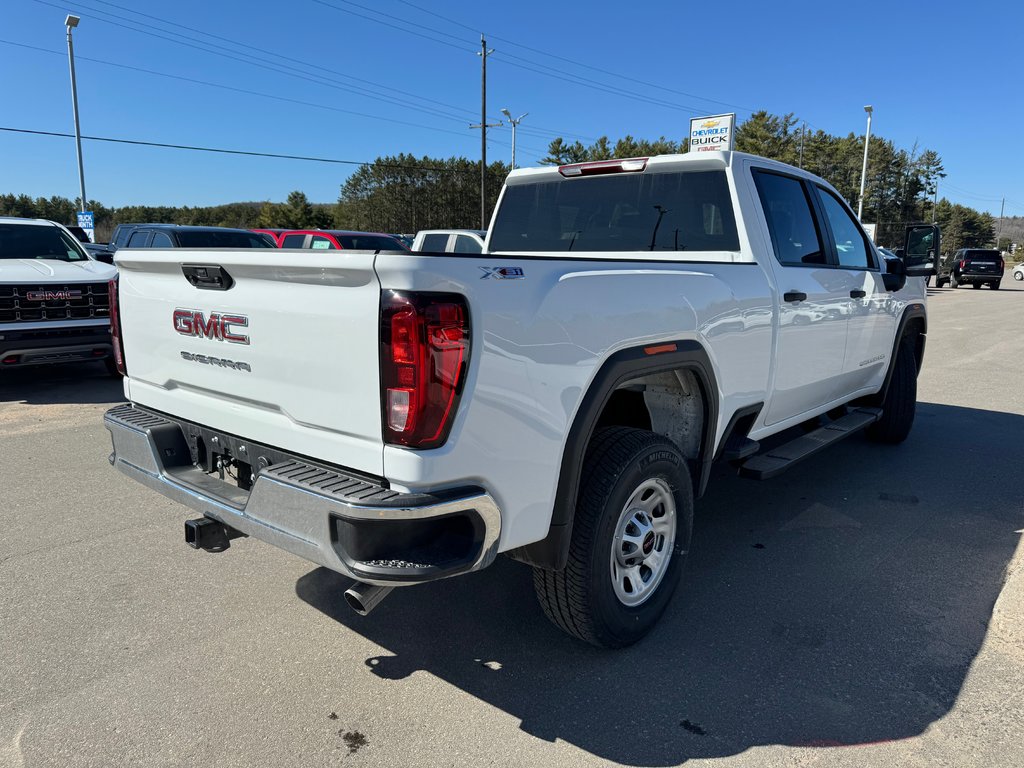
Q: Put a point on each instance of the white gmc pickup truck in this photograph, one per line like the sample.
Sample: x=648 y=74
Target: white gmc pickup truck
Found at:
x=401 y=418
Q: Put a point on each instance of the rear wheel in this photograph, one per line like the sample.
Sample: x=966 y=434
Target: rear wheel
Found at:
x=976 y=285
x=900 y=402
x=1018 y=275
x=939 y=283
x=111 y=367
x=994 y=286
x=630 y=537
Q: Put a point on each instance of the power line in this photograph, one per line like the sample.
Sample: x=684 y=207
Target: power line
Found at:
x=252 y=60
x=301 y=62
x=579 y=63
x=285 y=69
x=247 y=153
x=538 y=69
x=238 y=90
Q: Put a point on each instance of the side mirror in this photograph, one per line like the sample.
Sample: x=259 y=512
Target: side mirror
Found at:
x=107 y=257
x=895 y=275
x=919 y=250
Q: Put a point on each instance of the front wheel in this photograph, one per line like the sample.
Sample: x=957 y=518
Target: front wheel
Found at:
x=900 y=402
x=630 y=537
x=1018 y=275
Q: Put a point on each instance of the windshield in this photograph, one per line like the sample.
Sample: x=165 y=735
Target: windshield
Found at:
x=35 y=241
x=214 y=239
x=689 y=211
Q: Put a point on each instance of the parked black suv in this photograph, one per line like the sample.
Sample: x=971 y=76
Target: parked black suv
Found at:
x=180 y=236
x=971 y=265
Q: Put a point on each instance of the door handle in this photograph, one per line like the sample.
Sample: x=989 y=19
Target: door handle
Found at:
x=794 y=296
x=858 y=294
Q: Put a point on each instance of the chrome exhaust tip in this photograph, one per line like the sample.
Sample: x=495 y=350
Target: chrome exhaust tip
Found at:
x=363 y=598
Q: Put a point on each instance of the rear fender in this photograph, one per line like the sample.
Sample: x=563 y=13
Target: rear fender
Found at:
x=552 y=551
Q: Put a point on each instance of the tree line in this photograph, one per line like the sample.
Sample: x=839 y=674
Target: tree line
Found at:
x=403 y=193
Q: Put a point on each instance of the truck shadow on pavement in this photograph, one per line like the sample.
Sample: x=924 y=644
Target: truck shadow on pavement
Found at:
x=60 y=384
x=840 y=604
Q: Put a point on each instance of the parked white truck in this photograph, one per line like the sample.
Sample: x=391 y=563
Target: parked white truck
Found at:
x=54 y=298
x=402 y=418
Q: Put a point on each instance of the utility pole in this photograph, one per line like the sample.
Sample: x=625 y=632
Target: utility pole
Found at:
x=71 y=22
x=935 y=199
x=803 y=132
x=999 y=229
x=483 y=53
x=514 y=121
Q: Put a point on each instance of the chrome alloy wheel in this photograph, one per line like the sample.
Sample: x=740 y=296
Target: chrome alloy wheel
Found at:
x=644 y=539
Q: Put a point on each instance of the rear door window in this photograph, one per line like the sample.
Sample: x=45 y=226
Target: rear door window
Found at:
x=787 y=209
x=436 y=243
x=671 y=211
x=161 y=240
x=466 y=244
x=139 y=239
x=293 y=241
x=321 y=243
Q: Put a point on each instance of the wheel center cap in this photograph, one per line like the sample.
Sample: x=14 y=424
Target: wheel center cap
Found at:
x=648 y=544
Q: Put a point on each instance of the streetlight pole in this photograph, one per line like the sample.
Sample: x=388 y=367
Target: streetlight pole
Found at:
x=71 y=22
x=513 y=121
x=864 y=168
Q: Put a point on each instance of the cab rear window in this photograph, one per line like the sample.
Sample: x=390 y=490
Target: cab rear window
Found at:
x=687 y=211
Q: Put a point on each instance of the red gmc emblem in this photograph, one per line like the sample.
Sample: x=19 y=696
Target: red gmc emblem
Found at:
x=52 y=295
x=192 y=322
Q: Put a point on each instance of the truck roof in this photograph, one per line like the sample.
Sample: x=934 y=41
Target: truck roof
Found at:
x=20 y=220
x=686 y=161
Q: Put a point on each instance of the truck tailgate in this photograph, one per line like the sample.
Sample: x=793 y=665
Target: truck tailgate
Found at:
x=286 y=356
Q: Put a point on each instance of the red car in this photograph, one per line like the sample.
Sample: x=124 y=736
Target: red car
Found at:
x=336 y=239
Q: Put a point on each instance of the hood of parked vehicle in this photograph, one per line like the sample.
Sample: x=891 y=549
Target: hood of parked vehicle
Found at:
x=54 y=270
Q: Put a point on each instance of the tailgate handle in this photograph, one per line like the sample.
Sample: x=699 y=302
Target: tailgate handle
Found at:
x=208 y=277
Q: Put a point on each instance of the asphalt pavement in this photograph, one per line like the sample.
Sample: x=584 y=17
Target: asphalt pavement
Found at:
x=864 y=609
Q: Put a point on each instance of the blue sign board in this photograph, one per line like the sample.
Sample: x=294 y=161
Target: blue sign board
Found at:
x=86 y=221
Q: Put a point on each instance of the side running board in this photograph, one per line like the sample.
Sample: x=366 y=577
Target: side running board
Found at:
x=777 y=460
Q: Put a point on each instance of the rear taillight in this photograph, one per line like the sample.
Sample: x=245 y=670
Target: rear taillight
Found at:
x=1002 y=264
x=424 y=357
x=115 y=327
x=963 y=264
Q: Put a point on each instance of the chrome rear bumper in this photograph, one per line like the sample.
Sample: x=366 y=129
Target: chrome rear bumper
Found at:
x=338 y=520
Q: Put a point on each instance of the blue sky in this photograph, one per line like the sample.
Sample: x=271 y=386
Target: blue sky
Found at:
x=355 y=80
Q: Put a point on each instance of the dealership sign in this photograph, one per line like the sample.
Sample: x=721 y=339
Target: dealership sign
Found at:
x=712 y=134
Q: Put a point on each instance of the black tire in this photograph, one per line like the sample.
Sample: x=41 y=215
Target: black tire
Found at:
x=939 y=283
x=1018 y=275
x=953 y=282
x=581 y=599
x=976 y=285
x=900 y=403
x=111 y=367
x=994 y=286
